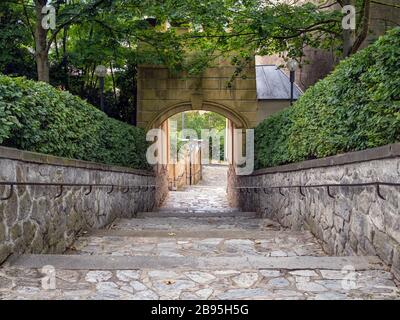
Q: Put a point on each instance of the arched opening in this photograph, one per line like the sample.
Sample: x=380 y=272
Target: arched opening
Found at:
x=235 y=117
x=198 y=146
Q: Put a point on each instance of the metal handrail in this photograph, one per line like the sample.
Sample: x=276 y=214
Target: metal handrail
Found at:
x=62 y=185
x=328 y=186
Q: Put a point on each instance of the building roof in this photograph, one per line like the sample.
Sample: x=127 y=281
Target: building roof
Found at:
x=274 y=84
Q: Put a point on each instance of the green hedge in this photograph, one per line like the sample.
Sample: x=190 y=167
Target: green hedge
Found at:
x=37 y=117
x=354 y=108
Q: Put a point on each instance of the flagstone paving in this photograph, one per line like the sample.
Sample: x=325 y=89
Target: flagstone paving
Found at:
x=207 y=196
x=273 y=244
x=187 y=257
x=198 y=199
x=195 y=284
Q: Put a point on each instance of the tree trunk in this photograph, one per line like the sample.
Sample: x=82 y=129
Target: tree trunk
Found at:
x=41 y=53
x=43 y=70
x=65 y=58
x=365 y=20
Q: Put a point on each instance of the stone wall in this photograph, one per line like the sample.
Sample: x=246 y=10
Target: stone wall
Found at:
x=232 y=192
x=356 y=221
x=382 y=18
x=162 y=184
x=33 y=220
x=162 y=94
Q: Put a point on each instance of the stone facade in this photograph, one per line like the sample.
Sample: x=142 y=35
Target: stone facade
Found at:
x=162 y=94
x=382 y=18
x=354 y=221
x=35 y=220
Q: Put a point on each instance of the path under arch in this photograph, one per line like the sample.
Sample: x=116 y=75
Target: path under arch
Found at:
x=208 y=196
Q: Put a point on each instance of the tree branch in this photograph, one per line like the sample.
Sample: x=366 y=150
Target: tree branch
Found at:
x=314 y=27
x=385 y=4
x=28 y=21
x=365 y=27
x=87 y=9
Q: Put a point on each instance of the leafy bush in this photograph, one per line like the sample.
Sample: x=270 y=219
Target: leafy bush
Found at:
x=354 y=108
x=35 y=116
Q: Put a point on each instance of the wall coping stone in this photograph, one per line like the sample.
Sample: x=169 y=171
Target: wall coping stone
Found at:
x=40 y=158
x=384 y=152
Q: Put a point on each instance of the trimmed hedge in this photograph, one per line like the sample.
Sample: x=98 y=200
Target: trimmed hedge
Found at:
x=35 y=116
x=354 y=108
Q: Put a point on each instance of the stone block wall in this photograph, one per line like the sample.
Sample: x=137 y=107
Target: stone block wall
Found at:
x=34 y=220
x=162 y=93
x=232 y=193
x=383 y=17
x=356 y=221
x=162 y=184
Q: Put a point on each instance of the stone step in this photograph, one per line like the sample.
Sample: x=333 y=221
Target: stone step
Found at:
x=196 y=244
x=196 y=207
x=96 y=262
x=195 y=224
x=199 y=214
x=202 y=187
x=189 y=234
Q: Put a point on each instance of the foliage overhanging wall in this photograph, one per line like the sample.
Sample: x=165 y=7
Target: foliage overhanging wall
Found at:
x=355 y=108
x=34 y=116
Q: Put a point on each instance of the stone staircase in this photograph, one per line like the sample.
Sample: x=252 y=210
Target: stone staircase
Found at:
x=196 y=247
x=225 y=256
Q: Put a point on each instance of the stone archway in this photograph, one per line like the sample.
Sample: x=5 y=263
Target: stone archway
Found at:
x=162 y=94
x=169 y=173
x=236 y=118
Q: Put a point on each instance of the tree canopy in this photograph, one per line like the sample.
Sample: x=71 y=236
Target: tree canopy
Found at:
x=121 y=34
